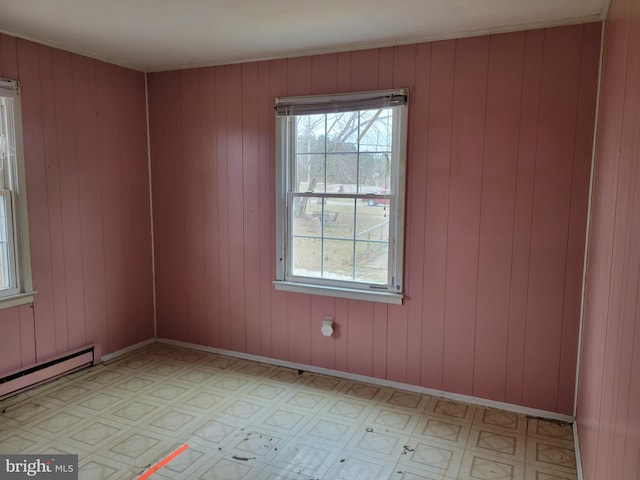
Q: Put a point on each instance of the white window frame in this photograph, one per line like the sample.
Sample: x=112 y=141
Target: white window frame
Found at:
x=14 y=194
x=286 y=109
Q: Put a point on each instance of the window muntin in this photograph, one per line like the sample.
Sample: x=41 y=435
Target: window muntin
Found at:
x=341 y=193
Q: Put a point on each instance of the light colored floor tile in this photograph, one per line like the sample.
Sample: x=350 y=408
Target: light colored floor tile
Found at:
x=135 y=411
x=95 y=432
x=67 y=392
x=404 y=472
x=222 y=363
x=203 y=399
x=243 y=409
x=498 y=443
x=27 y=410
x=307 y=399
x=175 y=421
x=480 y=466
x=288 y=376
x=231 y=383
x=184 y=465
x=379 y=444
x=100 y=401
x=260 y=445
x=278 y=473
x=57 y=422
x=97 y=467
x=267 y=391
x=350 y=466
x=446 y=430
x=348 y=409
x=551 y=453
x=328 y=384
x=189 y=356
x=256 y=369
x=398 y=399
x=104 y=376
x=134 y=362
x=512 y=423
x=432 y=457
x=363 y=391
x=336 y=433
x=286 y=420
x=549 y=430
x=392 y=419
x=138 y=449
x=17 y=441
x=215 y=433
x=539 y=472
x=450 y=409
x=231 y=469
x=307 y=458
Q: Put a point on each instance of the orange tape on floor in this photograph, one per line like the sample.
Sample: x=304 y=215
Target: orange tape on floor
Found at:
x=163 y=462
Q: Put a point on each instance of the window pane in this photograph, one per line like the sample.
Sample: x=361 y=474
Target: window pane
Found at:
x=307 y=257
x=310 y=133
x=374 y=173
x=339 y=218
x=338 y=259
x=6 y=141
x=342 y=170
x=4 y=220
x=342 y=131
x=375 y=131
x=5 y=266
x=371 y=218
x=372 y=243
x=309 y=173
x=372 y=262
x=5 y=280
x=305 y=209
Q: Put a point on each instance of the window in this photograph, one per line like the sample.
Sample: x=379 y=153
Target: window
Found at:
x=15 y=274
x=340 y=194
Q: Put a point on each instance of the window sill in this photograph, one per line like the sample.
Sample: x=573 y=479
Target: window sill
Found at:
x=372 y=296
x=17 y=300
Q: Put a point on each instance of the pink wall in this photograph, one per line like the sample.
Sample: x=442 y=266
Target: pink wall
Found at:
x=498 y=170
x=609 y=387
x=87 y=186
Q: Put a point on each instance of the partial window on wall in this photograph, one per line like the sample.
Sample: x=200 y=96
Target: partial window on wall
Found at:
x=340 y=194
x=15 y=267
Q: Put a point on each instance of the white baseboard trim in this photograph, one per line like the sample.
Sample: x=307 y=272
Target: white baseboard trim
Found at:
x=533 y=412
x=576 y=446
x=118 y=353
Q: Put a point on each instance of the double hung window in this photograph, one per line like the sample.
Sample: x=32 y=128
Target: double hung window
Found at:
x=340 y=194
x=15 y=275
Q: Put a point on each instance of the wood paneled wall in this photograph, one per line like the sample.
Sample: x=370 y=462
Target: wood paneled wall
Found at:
x=87 y=179
x=609 y=386
x=498 y=170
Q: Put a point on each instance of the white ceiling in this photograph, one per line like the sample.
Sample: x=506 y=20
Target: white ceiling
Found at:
x=154 y=35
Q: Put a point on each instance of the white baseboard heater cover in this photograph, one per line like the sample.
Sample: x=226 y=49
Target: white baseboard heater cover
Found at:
x=27 y=377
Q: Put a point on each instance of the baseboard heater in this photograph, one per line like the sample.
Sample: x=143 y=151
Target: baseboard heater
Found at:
x=27 y=377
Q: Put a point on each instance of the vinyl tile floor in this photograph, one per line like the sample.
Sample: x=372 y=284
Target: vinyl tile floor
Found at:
x=248 y=420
